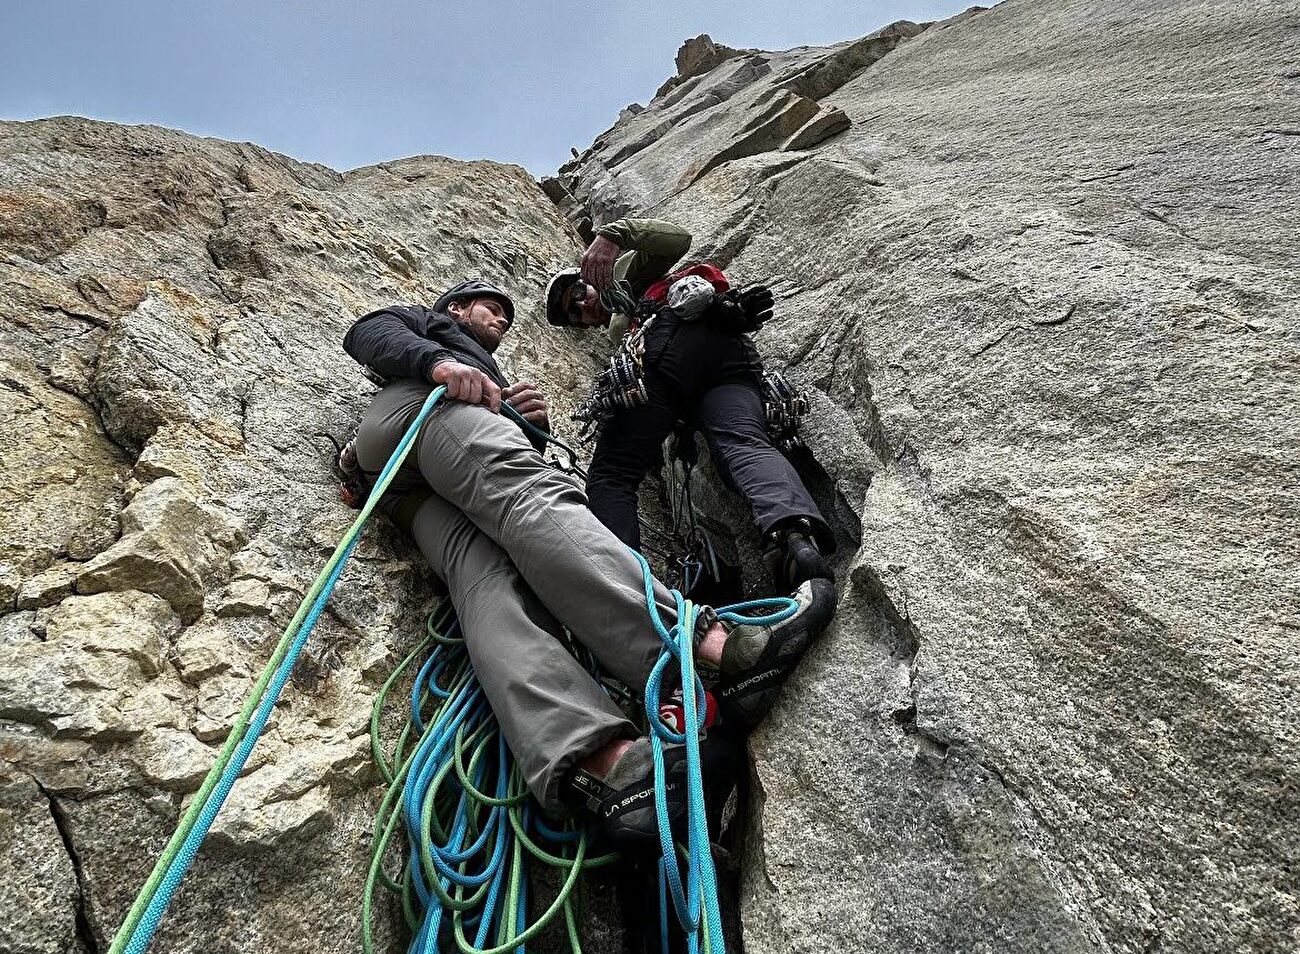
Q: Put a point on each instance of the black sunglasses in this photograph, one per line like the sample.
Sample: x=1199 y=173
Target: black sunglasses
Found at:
x=577 y=295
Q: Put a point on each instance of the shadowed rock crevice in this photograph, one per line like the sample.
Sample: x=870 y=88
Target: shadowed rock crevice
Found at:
x=127 y=455
x=776 y=123
x=89 y=943
x=819 y=79
x=903 y=644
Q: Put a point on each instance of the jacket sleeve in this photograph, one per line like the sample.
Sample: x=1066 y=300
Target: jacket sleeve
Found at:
x=657 y=246
x=391 y=344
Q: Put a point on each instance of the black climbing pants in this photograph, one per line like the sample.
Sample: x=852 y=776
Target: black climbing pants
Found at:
x=709 y=378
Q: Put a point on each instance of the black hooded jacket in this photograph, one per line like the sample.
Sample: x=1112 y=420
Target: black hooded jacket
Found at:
x=408 y=341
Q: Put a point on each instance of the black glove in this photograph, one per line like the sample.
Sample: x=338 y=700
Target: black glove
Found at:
x=757 y=303
x=743 y=311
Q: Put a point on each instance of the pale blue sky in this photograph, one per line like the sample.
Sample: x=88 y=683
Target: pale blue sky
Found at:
x=352 y=82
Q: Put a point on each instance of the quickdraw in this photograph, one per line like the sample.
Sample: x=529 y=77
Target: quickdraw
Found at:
x=620 y=385
x=698 y=558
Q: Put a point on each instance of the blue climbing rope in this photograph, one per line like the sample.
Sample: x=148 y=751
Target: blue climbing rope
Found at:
x=695 y=902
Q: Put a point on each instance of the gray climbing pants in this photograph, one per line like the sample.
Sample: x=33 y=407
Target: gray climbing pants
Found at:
x=522 y=555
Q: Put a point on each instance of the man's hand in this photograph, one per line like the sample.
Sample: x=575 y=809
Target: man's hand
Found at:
x=524 y=397
x=468 y=384
x=598 y=263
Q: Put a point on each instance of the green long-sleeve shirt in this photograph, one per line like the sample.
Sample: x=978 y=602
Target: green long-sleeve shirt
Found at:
x=651 y=247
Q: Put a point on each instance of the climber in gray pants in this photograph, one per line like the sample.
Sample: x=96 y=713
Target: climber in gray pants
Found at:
x=522 y=556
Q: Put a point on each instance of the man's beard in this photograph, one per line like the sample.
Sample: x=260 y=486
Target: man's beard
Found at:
x=479 y=334
x=487 y=338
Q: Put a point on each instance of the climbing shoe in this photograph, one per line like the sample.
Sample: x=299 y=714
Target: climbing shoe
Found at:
x=792 y=556
x=756 y=660
x=622 y=804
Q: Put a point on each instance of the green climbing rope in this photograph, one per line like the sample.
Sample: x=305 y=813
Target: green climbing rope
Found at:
x=477 y=834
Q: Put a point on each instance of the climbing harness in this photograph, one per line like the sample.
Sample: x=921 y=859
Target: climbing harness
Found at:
x=687 y=294
x=451 y=779
x=690 y=294
x=622 y=383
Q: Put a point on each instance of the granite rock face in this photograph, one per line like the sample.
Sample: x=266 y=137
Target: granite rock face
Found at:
x=171 y=310
x=1039 y=266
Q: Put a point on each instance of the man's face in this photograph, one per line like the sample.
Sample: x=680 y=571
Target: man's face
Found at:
x=484 y=318
x=593 y=315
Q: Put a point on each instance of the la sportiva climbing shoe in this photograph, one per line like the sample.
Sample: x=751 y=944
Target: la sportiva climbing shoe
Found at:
x=622 y=804
x=757 y=660
x=793 y=558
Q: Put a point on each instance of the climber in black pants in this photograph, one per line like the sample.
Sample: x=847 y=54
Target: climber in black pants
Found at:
x=698 y=368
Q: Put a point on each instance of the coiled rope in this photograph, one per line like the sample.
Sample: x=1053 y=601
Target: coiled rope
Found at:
x=471 y=826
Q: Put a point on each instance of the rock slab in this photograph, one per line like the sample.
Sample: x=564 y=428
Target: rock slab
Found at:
x=1037 y=268
x=1041 y=280
x=171 y=312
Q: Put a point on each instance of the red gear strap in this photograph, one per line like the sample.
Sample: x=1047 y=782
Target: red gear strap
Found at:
x=658 y=292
